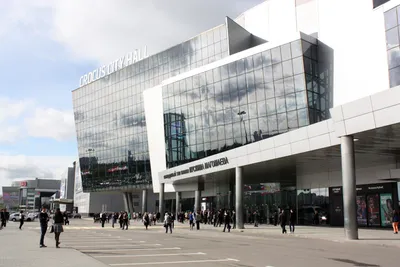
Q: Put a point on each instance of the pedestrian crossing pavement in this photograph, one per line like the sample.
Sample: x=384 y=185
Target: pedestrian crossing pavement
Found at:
x=135 y=248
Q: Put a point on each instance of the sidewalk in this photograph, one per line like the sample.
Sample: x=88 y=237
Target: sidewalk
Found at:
x=21 y=249
x=384 y=237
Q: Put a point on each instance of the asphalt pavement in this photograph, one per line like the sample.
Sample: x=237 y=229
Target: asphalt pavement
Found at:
x=137 y=247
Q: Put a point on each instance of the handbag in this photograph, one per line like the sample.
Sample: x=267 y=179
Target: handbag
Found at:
x=52 y=229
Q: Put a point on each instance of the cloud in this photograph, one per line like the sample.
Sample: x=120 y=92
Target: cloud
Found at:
x=51 y=123
x=105 y=30
x=26 y=118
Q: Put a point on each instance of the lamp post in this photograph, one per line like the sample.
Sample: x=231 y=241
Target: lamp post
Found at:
x=241 y=113
x=90 y=156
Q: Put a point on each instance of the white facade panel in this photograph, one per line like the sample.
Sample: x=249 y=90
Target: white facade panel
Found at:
x=153 y=106
x=357 y=38
x=359 y=44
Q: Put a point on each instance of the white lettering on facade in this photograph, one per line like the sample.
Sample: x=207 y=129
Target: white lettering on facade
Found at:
x=102 y=71
x=130 y=58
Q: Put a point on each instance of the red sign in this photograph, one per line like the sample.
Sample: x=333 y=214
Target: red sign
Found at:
x=23 y=184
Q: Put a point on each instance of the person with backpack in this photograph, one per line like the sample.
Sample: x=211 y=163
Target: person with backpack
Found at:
x=191 y=220
x=168 y=222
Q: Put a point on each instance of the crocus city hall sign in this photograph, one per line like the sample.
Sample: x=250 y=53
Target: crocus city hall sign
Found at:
x=113 y=66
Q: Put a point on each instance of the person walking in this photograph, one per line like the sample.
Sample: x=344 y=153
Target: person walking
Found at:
x=146 y=220
x=103 y=219
x=282 y=221
x=168 y=222
x=44 y=221
x=292 y=220
x=58 y=221
x=198 y=220
x=21 y=219
x=395 y=222
x=191 y=220
x=227 y=221
x=114 y=219
x=125 y=221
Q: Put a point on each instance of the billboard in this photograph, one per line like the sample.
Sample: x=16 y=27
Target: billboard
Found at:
x=11 y=197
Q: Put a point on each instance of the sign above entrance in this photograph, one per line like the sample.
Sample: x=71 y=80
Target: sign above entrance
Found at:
x=198 y=167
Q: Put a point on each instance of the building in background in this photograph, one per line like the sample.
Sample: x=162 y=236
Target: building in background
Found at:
x=261 y=106
x=31 y=194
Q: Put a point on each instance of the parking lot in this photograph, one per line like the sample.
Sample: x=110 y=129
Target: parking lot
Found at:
x=209 y=247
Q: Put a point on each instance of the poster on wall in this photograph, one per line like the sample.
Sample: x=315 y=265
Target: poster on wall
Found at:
x=373 y=210
x=398 y=192
x=361 y=211
x=386 y=209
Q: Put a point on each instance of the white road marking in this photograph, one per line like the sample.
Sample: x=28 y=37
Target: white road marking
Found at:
x=115 y=246
x=150 y=255
x=102 y=240
x=171 y=262
x=77 y=243
x=127 y=249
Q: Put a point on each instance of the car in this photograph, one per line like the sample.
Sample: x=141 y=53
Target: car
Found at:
x=77 y=216
x=16 y=217
x=30 y=217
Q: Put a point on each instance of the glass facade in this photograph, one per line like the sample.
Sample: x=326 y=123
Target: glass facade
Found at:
x=392 y=19
x=245 y=101
x=109 y=113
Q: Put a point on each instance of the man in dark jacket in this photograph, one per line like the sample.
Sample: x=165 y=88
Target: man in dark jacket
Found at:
x=5 y=215
x=282 y=221
x=44 y=222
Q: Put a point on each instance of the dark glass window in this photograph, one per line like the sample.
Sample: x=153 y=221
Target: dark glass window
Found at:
x=244 y=101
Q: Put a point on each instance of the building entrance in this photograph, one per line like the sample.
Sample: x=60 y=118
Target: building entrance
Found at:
x=263 y=201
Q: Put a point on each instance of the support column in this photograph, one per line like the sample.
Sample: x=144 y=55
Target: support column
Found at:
x=349 y=187
x=239 y=197
x=161 y=202
x=197 y=196
x=126 y=203
x=144 y=201
x=130 y=201
x=177 y=204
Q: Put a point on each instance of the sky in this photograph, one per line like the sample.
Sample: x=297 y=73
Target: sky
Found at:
x=46 y=46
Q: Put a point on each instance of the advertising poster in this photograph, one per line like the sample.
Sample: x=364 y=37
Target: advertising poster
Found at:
x=373 y=210
x=398 y=192
x=386 y=209
x=361 y=211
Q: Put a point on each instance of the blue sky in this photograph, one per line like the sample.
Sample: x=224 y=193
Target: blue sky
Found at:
x=45 y=46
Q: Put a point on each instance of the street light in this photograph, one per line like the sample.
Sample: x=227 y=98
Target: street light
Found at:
x=90 y=157
x=241 y=113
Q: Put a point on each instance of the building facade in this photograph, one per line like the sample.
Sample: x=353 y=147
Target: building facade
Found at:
x=255 y=115
x=31 y=194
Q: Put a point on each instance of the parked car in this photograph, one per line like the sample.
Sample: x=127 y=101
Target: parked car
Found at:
x=77 y=216
x=16 y=217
